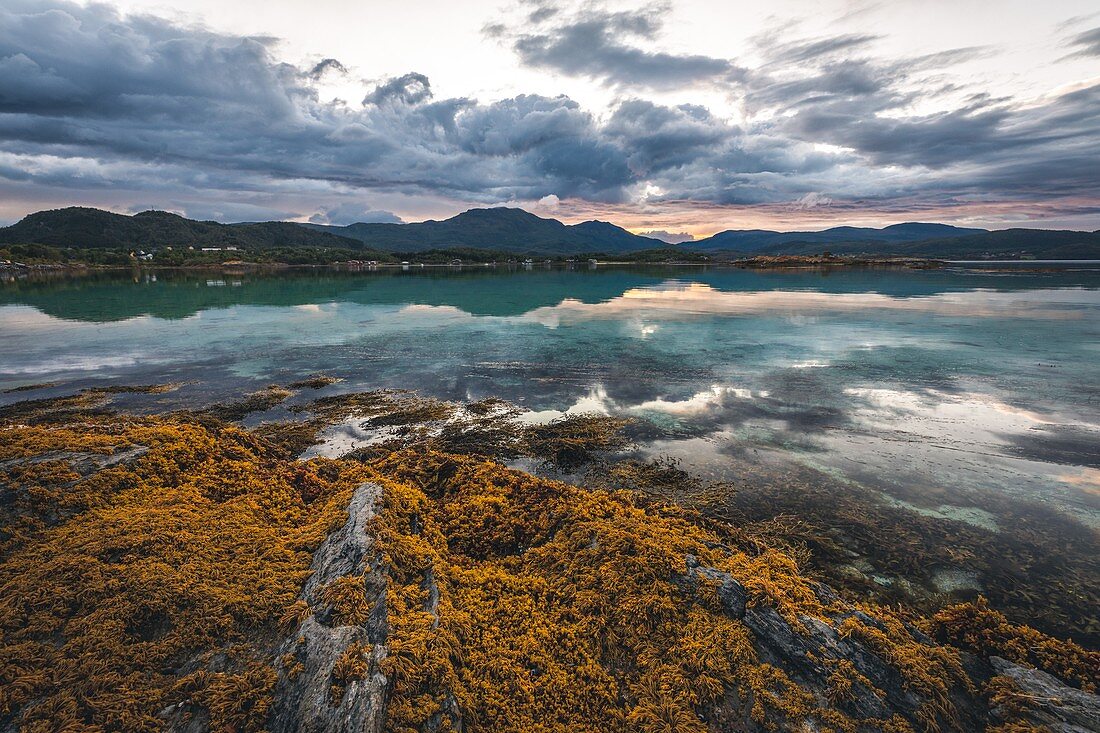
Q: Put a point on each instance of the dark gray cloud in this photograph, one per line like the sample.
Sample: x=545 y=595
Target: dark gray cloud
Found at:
x=407 y=89
x=994 y=147
x=596 y=43
x=660 y=138
x=93 y=103
x=326 y=66
x=817 y=90
x=163 y=105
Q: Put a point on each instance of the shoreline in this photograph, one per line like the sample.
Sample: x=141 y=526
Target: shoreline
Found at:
x=592 y=450
x=759 y=262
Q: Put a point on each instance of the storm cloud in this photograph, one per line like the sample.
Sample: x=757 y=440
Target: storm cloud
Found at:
x=95 y=103
x=597 y=44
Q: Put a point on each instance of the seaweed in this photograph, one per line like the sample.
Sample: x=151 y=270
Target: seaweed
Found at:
x=849 y=535
x=388 y=406
x=258 y=401
x=58 y=410
x=487 y=428
x=155 y=563
x=315 y=382
x=574 y=440
x=29 y=387
x=538 y=605
x=981 y=630
x=154 y=566
x=290 y=438
x=1038 y=568
x=135 y=389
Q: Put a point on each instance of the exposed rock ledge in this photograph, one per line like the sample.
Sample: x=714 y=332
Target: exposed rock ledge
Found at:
x=806 y=653
x=1051 y=703
x=305 y=697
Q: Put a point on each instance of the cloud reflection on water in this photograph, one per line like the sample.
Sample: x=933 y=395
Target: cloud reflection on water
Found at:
x=939 y=378
x=691 y=299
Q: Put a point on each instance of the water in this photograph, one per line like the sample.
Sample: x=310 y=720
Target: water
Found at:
x=929 y=376
x=945 y=393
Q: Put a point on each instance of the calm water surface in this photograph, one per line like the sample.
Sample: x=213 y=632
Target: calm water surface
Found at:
x=903 y=381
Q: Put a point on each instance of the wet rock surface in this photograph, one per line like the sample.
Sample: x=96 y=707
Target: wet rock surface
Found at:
x=84 y=464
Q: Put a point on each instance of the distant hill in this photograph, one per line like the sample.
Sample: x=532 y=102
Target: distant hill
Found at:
x=515 y=231
x=97 y=229
x=1012 y=243
x=765 y=240
x=499 y=229
x=1003 y=244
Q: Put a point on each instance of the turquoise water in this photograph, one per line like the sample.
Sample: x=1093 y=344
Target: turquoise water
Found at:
x=893 y=378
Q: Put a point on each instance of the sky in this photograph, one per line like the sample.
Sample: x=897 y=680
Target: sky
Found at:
x=682 y=118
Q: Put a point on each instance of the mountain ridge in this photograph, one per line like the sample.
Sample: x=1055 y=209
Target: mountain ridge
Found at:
x=91 y=228
x=752 y=240
x=517 y=231
x=499 y=228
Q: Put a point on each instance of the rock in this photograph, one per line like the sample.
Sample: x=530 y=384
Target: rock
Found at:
x=307 y=700
x=305 y=697
x=84 y=464
x=1050 y=702
x=808 y=653
x=730 y=592
x=19 y=501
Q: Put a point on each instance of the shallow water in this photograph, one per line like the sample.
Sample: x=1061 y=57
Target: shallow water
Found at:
x=908 y=382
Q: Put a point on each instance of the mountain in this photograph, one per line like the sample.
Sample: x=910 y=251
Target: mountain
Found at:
x=97 y=229
x=1011 y=243
x=910 y=239
x=1003 y=244
x=500 y=229
x=520 y=232
x=759 y=240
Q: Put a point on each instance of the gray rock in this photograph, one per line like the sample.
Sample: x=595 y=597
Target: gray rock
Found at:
x=1050 y=702
x=730 y=592
x=84 y=464
x=807 y=652
x=305 y=698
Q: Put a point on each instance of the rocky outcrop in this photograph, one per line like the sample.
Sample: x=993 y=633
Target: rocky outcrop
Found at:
x=813 y=651
x=84 y=464
x=329 y=677
x=314 y=693
x=1046 y=701
x=18 y=500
